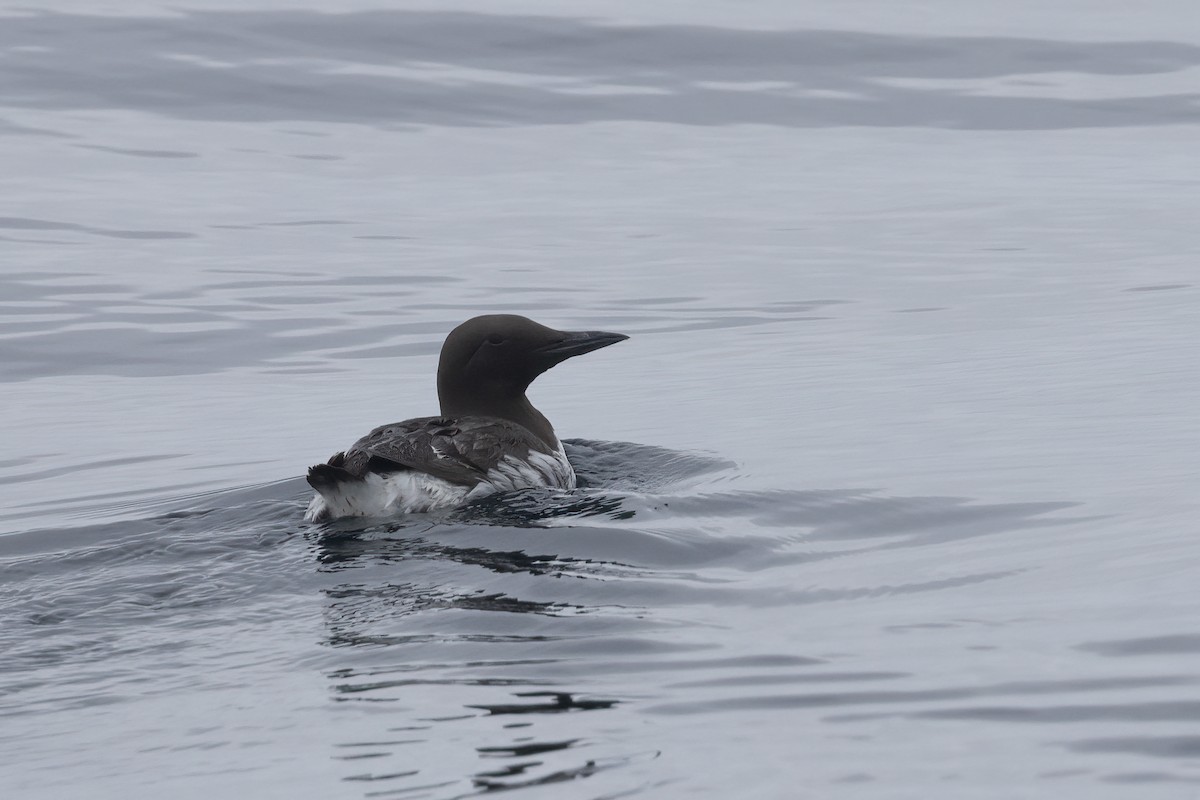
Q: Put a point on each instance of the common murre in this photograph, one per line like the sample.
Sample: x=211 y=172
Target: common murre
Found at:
x=489 y=437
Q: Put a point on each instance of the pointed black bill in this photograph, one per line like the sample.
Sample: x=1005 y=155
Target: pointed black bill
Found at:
x=576 y=343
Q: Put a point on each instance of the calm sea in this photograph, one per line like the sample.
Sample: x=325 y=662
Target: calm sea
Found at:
x=892 y=493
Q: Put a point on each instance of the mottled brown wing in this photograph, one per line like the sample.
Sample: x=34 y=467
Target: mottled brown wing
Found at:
x=459 y=450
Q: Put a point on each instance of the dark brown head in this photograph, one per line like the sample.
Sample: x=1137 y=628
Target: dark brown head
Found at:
x=488 y=362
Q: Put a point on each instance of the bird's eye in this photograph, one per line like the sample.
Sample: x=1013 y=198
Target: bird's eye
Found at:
x=495 y=339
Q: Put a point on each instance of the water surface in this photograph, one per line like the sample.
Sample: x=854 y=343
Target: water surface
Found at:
x=891 y=493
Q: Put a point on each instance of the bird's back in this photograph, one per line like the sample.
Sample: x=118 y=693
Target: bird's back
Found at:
x=433 y=462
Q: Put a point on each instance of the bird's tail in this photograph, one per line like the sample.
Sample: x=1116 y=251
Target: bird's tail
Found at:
x=326 y=477
x=339 y=493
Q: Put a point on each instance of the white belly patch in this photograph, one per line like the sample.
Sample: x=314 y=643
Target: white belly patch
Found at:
x=406 y=492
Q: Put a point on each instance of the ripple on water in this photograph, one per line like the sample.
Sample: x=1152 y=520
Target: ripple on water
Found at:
x=538 y=630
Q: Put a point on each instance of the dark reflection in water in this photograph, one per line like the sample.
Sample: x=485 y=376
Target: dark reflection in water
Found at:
x=552 y=594
x=535 y=629
x=559 y=703
x=472 y=601
x=399 y=67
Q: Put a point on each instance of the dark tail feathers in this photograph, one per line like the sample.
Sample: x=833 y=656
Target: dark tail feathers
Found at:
x=324 y=476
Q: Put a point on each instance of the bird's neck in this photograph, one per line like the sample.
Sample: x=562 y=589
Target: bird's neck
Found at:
x=516 y=409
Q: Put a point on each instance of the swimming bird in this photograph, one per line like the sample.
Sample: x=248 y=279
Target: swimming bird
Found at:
x=489 y=437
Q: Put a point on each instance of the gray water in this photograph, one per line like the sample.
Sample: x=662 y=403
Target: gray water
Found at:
x=891 y=493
